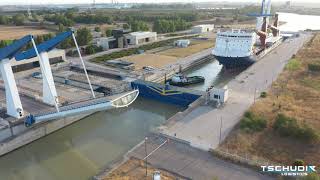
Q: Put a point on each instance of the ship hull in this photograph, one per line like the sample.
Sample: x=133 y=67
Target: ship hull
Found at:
x=236 y=62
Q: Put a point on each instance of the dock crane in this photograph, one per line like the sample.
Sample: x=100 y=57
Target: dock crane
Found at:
x=263 y=23
x=49 y=90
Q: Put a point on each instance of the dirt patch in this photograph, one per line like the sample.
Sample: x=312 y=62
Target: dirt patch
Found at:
x=16 y=32
x=134 y=169
x=154 y=60
x=295 y=94
x=195 y=47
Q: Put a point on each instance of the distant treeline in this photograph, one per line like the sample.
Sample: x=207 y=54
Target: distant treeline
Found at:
x=167 y=26
x=38 y=39
x=17 y=20
x=164 y=6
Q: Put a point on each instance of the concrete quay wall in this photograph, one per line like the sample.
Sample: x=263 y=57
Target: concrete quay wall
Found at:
x=35 y=133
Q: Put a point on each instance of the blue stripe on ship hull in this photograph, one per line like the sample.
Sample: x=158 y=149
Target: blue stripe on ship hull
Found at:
x=235 y=62
x=157 y=92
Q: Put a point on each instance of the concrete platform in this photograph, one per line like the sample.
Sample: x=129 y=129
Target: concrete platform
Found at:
x=202 y=128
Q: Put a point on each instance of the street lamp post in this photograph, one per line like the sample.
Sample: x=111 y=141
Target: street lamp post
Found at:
x=146 y=159
x=220 y=130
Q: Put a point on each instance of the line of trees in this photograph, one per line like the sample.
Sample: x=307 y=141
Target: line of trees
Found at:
x=138 y=26
x=164 y=6
x=17 y=19
x=59 y=19
x=167 y=26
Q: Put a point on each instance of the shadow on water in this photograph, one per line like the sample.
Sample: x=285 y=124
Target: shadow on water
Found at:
x=79 y=151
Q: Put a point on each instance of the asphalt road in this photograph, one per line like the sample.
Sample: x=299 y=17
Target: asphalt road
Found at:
x=193 y=163
x=202 y=129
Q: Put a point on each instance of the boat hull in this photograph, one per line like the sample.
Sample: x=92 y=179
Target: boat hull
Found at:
x=236 y=62
x=190 y=81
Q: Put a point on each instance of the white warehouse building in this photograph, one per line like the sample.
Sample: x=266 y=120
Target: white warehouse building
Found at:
x=203 y=28
x=136 y=38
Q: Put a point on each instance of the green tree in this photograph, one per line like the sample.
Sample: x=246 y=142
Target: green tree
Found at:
x=4 y=20
x=108 y=32
x=61 y=27
x=90 y=49
x=39 y=39
x=84 y=36
x=139 y=26
x=97 y=29
x=166 y=26
x=126 y=26
x=3 y=44
x=18 y=19
x=46 y=37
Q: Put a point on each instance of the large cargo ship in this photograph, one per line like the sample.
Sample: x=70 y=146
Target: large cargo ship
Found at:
x=240 y=48
x=235 y=48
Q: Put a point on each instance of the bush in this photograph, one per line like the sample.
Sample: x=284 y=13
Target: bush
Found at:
x=293 y=65
x=97 y=29
x=289 y=127
x=263 y=95
x=298 y=162
x=314 y=67
x=311 y=176
x=91 y=49
x=108 y=32
x=252 y=123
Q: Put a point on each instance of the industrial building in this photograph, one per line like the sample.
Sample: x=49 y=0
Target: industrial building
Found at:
x=202 y=28
x=136 y=38
x=119 y=35
x=122 y=38
x=106 y=42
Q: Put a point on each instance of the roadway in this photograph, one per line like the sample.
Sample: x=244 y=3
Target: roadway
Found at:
x=202 y=128
x=190 y=162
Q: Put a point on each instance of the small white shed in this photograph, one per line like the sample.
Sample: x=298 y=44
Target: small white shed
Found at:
x=220 y=95
x=202 y=28
x=182 y=43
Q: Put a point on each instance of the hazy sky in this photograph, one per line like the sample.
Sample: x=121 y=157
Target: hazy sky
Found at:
x=10 y=2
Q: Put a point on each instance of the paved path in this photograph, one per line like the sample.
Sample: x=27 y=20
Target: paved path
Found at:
x=202 y=130
x=192 y=163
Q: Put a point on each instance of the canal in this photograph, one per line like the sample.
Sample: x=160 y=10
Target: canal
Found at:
x=79 y=151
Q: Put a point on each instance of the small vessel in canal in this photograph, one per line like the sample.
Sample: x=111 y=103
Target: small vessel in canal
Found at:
x=181 y=80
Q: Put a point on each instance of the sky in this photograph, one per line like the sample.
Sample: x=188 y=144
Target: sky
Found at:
x=39 y=2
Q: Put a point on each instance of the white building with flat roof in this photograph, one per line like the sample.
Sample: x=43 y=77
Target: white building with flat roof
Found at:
x=202 y=28
x=136 y=38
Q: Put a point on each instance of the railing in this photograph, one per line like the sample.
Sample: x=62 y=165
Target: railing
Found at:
x=120 y=102
x=125 y=100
